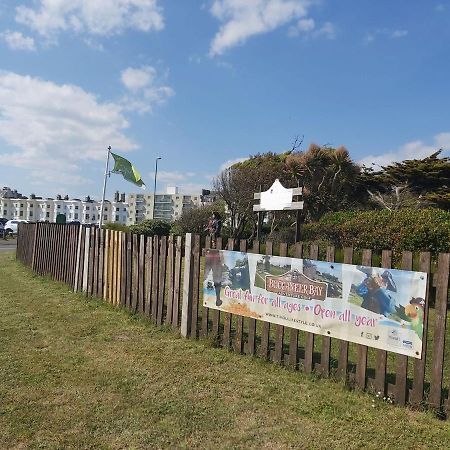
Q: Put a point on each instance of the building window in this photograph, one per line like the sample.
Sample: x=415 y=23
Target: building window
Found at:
x=21 y=205
x=117 y=218
x=76 y=207
x=21 y=213
x=105 y=217
x=59 y=206
x=117 y=209
x=76 y=215
x=87 y=216
x=48 y=206
x=106 y=209
x=47 y=214
x=87 y=208
x=31 y=205
x=93 y=216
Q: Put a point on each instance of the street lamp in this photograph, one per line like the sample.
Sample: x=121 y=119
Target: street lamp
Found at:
x=154 y=188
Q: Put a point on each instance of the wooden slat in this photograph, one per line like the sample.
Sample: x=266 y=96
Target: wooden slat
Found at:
x=265 y=332
x=170 y=278
x=326 y=340
x=239 y=341
x=101 y=261
x=416 y=395
x=251 y=339
x=123 y=270
x=278 y=356
x=216 y=312
x=226 y=341
x=379 y=384
x=293 y=338
x=148 y=276
x=129 y=270
x=439 y=331
x=195 y=285
x=401 y=375
x=141 y=269
x=361 y=357
x=342 y=368
x=96 y=251
x=177 y=282
x=205 y=310
x=135 y=274
x=309 y=337
x=155 y=278
x=118 y=266
x=162 y=279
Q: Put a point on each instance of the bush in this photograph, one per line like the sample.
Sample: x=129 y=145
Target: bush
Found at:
x=151 y=228
x=405 y=229
x=115 y=227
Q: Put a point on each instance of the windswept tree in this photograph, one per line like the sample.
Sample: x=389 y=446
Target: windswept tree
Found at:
x=413 y=182
x=330 y=179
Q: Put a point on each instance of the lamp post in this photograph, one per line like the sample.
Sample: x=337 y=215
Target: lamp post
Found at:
x=154 y=188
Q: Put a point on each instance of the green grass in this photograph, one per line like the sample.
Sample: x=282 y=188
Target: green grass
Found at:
x=77 y=373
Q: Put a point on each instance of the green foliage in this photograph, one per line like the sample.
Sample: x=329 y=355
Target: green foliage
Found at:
x=151 y=228
x=406 y=229
x=115 y=227
x=195 y=220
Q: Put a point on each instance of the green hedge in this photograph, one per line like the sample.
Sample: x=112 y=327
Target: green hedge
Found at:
x=404 y=229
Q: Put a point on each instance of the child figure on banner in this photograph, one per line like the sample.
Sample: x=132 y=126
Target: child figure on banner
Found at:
x=376 y=291
x=214 y=264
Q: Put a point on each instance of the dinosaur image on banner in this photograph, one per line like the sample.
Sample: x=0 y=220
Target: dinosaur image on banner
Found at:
x=381 y=308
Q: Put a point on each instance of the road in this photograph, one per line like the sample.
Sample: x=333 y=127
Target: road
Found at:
x=8 y=245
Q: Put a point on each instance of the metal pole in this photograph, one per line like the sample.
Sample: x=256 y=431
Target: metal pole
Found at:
x=104 y=188
x=154 y=188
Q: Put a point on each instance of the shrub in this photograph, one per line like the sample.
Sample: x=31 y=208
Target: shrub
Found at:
x=115 y=227
x=405 y=229
x=151 y=228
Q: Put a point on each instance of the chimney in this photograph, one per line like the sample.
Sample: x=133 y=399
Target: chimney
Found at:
x=66 y=197
x=58 y=197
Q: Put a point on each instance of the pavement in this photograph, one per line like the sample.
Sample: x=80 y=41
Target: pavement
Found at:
x=8 y=245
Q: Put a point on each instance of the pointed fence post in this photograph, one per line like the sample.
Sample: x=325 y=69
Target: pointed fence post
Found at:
x=186 y=308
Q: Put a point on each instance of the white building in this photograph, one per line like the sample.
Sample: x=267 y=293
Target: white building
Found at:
x=86 y=211
x=167 y=206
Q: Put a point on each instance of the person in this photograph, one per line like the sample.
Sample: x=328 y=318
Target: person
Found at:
x=214 y=264
x=376 y=291
x=214 y=227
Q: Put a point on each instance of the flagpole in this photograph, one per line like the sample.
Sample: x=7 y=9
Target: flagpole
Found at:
x=104 y=188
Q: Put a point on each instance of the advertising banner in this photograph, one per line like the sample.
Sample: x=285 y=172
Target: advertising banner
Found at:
x=381 y=308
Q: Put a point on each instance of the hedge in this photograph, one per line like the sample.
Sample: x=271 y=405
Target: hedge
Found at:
x=405 y=229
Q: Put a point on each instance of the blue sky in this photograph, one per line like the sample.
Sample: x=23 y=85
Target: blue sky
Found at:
x=206 y=83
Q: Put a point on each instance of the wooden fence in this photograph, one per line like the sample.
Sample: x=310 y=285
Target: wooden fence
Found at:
x=161 y=278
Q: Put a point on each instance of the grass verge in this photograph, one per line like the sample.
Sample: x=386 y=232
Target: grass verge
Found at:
x=77 y=373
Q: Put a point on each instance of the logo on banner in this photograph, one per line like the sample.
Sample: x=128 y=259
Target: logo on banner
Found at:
x=296 y=284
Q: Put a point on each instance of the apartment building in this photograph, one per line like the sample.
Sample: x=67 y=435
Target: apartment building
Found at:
x=87 y=211
x=167 y=206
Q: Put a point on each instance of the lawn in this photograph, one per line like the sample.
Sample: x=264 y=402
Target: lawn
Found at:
x=78 y=373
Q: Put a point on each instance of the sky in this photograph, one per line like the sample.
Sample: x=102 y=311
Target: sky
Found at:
x=203 y=84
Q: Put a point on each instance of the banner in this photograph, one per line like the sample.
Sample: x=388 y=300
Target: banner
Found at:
x=381 y=308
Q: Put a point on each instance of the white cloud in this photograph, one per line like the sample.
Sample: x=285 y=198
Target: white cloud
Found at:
x=242 y=19
x=135 y=79
x=96 y=17
x=17 y=41
x=146 y=89
x=383 y=32
x=411 y=150
x=399 y=34
x=53 y=128
x=230 y=162
x=307 y=28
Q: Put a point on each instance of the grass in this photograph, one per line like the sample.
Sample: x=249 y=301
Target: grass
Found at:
x=77 y=373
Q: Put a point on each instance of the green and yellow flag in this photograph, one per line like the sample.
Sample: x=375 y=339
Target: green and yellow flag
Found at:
x=129 y=172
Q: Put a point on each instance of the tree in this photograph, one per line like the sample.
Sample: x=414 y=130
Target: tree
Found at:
x=237 y=184
x=330 y=179
x=195 y=220
x=413 y=182
x=151 y=227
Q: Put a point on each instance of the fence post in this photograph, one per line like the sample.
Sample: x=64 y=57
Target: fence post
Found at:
x=77 y=264
x=33 y=260
x=186 y=308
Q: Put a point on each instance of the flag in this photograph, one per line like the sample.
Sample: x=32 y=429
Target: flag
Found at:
x=129 y=172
